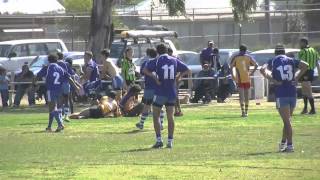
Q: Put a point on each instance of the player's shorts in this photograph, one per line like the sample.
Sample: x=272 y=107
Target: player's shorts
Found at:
x=308 y=75
x=244 y=85
x=53 y=96
x=95 y=112
x=66 y=88
x=285 y=102
x=159 y=101
x=148 y=96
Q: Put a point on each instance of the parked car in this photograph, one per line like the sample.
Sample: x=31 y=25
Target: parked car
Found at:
x=15 y=53
x=263 y=56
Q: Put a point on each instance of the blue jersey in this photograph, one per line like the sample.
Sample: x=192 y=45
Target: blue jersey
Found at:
x=148 y=81
x=55 y=76
x=283 y=70
x=166 y=68
x=95 y=71
x=66 y=67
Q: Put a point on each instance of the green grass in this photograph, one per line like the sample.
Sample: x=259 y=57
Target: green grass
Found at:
x=211 y=142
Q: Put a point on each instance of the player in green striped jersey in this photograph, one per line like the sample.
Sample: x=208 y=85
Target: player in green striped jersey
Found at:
x=310 y=56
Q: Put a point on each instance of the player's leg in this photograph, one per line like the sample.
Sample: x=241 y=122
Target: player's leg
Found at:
x=246 y=100
x=285 y=109
x=170 y=117
x=85 y=113
x=66 y=108
x=310 y=97
x=52 y=106
x=241 y=100
x=147 y=101
x=304 y=91
x=60 y=101
x=159 y=101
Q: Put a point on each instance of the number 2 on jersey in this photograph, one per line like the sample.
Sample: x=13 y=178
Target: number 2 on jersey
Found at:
x=56 y=76
x=286 y=72
x=168 y=72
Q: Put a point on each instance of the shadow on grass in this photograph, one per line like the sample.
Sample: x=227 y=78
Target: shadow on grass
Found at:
x=261 y=153
x=36 y=132
x=138 y=150
x=32 y=124
x=219 y=117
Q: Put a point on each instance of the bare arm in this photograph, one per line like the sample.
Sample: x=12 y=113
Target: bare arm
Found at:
x=150 y=74
x=255 y=67
x=303 y=66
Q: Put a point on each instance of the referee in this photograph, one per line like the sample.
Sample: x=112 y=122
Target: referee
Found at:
x=310 y=56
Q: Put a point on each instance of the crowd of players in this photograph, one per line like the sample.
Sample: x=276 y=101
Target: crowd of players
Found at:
x=162 y=71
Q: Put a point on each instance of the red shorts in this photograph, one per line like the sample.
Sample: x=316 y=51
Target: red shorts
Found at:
x=244 y=85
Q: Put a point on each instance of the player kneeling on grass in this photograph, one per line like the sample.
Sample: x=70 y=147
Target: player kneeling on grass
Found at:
x=106 y=107
x=150 y=86
x=281 y=70
x=166 y=68
x=129 y=104
x=55 y=77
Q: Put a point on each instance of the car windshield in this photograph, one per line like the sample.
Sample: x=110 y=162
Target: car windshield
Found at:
x=4 y=50
x=190 y=58
x=39 y=62
x=224 y=57
x=262 y=58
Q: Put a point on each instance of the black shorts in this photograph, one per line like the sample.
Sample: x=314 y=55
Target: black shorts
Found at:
x=95 y=113
x=308 y=75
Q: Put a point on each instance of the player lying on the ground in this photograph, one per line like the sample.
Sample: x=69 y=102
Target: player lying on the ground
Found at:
x=106 y=107
x=129 y=104
x=281 y=70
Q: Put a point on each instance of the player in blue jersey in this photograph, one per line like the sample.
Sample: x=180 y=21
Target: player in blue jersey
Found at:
x=149 y=88
x=66 y=90
x=281 y=71
x=55 y=76
x=91 y=73
x=166 y=69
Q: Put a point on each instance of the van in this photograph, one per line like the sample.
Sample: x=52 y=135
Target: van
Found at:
x=15 y=53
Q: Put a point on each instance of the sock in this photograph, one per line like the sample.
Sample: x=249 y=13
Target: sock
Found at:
x=246 y=108
x=51 y=116
x=311 y=100
x=305 y=101
x=58 y=117
x=170 y=139
x=65 y=110
x=161 y=116
x=289 y=144
x=242 y=108
x=159 y=138
x=283 y=141
x=143 y=117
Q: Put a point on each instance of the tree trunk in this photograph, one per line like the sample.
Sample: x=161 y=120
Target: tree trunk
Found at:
x=101 y=27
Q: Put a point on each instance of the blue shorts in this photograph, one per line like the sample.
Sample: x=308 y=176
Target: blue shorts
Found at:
x=148 y=96
x=159 y=101
x=285 y=102
x=53 y=96
x=66 y=88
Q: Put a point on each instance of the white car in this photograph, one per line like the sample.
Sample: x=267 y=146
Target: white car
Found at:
x=15 y=53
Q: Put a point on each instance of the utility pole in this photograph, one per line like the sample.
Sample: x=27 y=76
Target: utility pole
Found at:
x=268 y=19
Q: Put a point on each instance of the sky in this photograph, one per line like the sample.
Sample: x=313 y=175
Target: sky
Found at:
x=30 y=6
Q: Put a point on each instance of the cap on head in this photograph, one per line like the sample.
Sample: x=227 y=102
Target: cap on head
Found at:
x=305 y=40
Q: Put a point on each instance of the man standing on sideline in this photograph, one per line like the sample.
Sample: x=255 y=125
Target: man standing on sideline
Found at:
x=311 y=57
x=166 y=68
x=242 y=63
x=281 y=70
x=206 y=53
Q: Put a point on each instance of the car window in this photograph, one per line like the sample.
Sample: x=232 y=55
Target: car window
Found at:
x=116 y=50
x=53 y=46
x=37 y=49
x=4 y=50
x=262 y=58
x=190 y=58
x=75 y=56
x=21 y=50
x=39 y=62
x=224 y=57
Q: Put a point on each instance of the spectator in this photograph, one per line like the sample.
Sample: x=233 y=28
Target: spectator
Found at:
x=206 y=52
x=91 y=74
x=128 y=69
x=25 y=76
x=4 y=87
x=226 y=84
x=214 y=60
x=106 y=107
x=129 y=105
x=204 y=87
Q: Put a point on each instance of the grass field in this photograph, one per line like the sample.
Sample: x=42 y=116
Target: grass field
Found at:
x=211 y=142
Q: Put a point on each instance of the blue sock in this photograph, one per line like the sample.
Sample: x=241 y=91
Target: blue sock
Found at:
x=60 y=115
x=162 y=116
x=143 y=117
x=65 y=110
x=57 y=117
x=158 y=137
x=51 y=116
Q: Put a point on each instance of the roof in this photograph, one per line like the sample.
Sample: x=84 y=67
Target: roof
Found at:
x=24 y=41
x=272 y=51
x=30 y=6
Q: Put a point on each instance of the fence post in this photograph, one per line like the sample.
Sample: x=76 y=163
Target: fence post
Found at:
x=11 y=88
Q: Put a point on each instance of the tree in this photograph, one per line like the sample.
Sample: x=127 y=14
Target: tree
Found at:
x=312 y=16
x=241 y=8
x=101 y=28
